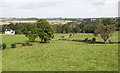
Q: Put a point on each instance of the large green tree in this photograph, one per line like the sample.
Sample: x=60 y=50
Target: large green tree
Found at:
x=30 y=31
x=57 y=28
x=44 y=30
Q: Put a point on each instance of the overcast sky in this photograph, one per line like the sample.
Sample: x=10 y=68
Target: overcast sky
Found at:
x=59 y=8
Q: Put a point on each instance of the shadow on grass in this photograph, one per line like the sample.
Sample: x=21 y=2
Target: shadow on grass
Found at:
x=91 y=42
x=26 y=43
x=29 y=41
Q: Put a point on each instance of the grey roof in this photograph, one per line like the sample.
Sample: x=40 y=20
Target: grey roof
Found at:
x=8 y=29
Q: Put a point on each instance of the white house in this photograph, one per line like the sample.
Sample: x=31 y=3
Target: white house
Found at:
x=9 y=31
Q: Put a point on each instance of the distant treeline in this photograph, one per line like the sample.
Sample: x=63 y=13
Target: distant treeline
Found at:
x=84 y=26
x=18 y=19
x=71 y=19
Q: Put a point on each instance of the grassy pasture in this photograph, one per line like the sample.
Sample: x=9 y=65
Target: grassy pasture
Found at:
x=82 y=36
x=9 y=39
x=61 y=55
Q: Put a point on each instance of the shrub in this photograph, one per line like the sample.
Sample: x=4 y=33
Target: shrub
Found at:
x=70 y=35
x=27 y=43
x=13 y=45
x=89 y=41
x=62 y=36
x=23 y=44
x=4 y=46
x=93 y=40
x=86 y=39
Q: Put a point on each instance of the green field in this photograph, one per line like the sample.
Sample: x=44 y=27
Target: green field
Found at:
x=60 y=55
x=10 y=39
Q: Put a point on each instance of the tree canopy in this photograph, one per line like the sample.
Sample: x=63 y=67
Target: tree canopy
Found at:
x=30 y=31
x=44 y=30
x=41 y=29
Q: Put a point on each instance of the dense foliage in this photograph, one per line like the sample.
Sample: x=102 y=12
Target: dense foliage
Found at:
x=41 y=29
x=76 y=27
x=44 y=30
x=14 y=26
x=30 y=31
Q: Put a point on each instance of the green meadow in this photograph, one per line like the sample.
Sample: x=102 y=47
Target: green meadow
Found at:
x=60 y=55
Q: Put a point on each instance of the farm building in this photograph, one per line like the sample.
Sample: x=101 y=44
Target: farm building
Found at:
x=9 y=31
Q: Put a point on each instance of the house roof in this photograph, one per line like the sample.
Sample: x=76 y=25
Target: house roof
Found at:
x=8 y=29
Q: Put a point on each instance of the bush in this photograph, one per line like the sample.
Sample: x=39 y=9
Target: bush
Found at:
x=13 y=45
x=86 y=39
x=62 y=36
x=70 y=35
x=27 y=43
x=23 y=44
x=93 y=40
x=89 y=41
x=4 y=46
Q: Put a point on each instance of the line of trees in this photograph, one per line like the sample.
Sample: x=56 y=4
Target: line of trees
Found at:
x=44 y=30
x=76 y=27
x=85 y=26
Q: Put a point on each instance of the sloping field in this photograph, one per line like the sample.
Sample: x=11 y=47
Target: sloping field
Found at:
x=63 y=56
